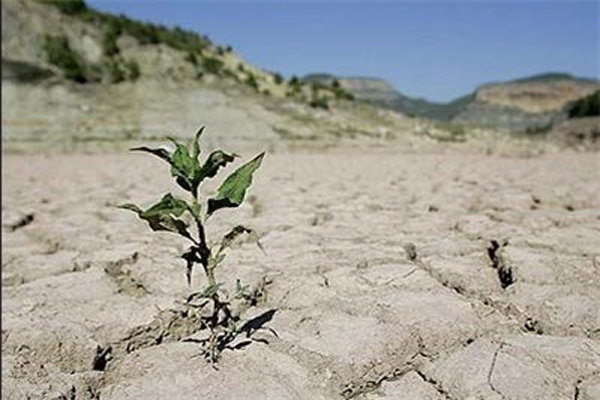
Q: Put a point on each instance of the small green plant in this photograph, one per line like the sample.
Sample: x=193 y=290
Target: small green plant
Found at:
x=588 y=106
x=169 y=215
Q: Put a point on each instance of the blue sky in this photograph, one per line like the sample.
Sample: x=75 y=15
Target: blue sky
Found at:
x=438 y=50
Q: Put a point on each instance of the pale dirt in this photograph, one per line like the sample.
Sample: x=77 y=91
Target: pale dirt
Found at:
x=357 y=314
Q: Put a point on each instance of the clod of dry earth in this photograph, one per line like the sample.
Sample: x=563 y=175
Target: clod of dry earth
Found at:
x=378 y=265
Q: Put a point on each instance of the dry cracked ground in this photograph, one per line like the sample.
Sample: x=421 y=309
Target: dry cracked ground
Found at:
x=393 y=276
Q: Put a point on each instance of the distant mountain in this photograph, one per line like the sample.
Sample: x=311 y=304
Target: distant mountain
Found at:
x=382 y=93
x=520 y=105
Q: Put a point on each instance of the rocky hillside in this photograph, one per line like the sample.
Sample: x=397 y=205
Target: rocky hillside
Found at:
x=523 y=105
x=72 y=74
x=529 y=104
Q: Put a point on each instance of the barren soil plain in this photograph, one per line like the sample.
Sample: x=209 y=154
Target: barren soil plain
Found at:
x=393 y=275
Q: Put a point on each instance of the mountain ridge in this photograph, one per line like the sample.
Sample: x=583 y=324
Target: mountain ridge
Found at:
x=523 y=103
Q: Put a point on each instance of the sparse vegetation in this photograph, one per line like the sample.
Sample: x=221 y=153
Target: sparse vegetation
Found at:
x=191 y=58
x=278 y=78
x=319 y=102
x=58 y=52
x=539 y=129
x=294 y=81
x=169 y=214
x=588 y=106
x=212 y=65
x=109 y=41
x=116 y=73
x=146 y=33
x=133 y=69
x=68 y=6
x=251 y=81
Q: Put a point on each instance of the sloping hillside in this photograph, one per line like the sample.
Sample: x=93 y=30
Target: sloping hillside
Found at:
x=78 y=76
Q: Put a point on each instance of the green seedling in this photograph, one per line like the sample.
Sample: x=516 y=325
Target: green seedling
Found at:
x=188 y=219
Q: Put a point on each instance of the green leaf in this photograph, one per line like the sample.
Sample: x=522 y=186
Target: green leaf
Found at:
x=184 y=167
x=232 y=191
x=162 y=216
x=215 y=160
x=169 y=204
x=195 y=210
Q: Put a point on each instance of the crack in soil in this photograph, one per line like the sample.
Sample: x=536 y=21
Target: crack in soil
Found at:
x=437 y=386
x=492 y=367
x=505 y=272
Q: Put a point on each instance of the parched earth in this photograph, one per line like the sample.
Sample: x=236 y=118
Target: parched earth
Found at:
x=393 y=275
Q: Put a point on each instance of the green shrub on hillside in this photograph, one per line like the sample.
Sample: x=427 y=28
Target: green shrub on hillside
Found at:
x=343 y=94
x=191 y=58
x=212 y=65
x=294 y=81
x=319 y=102
x=109 y=41
x=58 y=52
x=251 y=81
x=133 y=69
x=116 y=74
x=588 y=106
x=67 y=6
x=144 y=32
x=278 y=78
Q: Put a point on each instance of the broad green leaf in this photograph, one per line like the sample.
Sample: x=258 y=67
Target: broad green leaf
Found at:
x=169 y=204
x=162 y=215
x=232 y=191
x=215 y=160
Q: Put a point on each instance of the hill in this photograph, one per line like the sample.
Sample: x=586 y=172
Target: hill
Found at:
x=521 y=105
x=72 y=74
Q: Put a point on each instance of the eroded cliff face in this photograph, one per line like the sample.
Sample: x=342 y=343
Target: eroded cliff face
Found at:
x=536 y=97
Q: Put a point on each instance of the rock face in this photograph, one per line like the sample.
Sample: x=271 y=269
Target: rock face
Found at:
x=541 y=94
x=526 y=105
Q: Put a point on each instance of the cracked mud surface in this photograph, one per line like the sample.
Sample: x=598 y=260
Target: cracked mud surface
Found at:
x=378 y=264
